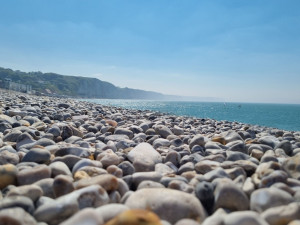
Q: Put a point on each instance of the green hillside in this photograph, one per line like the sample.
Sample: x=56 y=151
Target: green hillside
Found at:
x=74 y=86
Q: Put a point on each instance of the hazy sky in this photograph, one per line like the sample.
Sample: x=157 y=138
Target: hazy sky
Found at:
x=237 y=50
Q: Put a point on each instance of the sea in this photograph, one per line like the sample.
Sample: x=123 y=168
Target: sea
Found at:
x=281 y=116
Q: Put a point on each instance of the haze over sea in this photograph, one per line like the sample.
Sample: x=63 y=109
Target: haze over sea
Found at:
x=281 y=116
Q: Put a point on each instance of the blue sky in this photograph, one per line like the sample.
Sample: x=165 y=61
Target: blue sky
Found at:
x=234 y=50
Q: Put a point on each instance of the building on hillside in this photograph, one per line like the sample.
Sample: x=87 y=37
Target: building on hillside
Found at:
x=17 y=86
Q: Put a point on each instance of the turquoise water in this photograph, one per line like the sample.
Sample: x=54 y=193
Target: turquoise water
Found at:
x=282 y=116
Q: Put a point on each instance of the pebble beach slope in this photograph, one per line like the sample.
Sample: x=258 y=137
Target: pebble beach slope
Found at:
x=67 y=162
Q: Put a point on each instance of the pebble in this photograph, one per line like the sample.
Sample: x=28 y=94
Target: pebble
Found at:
x=224 y=194
x=291 y=166
x=107 y=181
x=109 y=211
x=86 y=216
x=62 y=185
x=16 y=216
x=169 y=205
x=282 y=215
x=37 y=155
x=204 y=191
x=144 y=157
x=59 y=168
x=244 y=218
x=17 y=201
x=33 y=192
x=67 y=205
x=266 y=198
x=29 y=176
x=8 y=175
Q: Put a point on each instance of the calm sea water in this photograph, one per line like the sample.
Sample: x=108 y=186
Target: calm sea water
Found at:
x=282 y=116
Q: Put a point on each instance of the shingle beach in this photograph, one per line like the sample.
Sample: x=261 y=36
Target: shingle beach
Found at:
x=69 y=162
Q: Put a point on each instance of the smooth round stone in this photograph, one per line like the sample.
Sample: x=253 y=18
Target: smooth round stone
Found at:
x=77 y=151
x=187 y=222
x=63 y=105
x=258 y=154
x=266 y=198
x=124 y=131
x=17 y=201
x=144 y=157
x=165 y=180
x=269 y=140
x=86 y=162
x=295 y=222
x=114 y=197
x=73 y=139
x=206 y=166
x=4 y=126
x=177 y=130
x=86 y=216
x=169 y=205
x=264 y=169
x=69 y=160
x=92 y=171
x=8 y=175
x=37 y=155
x=204 y=191
x=54 y=130
x=234 y=156
x=59 y=168
x=274 y=177
x=237 y=146
x=80 y=175
x=149 y=184
x=31 y=191
x=173 y=157
x=109 y=211
x=248 y=186
x=235 y=172
x=291 y=166
x=29 y=176
x=108 y=158
x=231 y=136
x=66 y=132
x=197 y=140
x=189 y=166
x=282 y=215
x=164 y=169
x=286 y=146
x=181 y=186
x=116 y=138
x=67 y=205
x=8 y=157
x=225 y=192
x=16 y=216
x=114 y=170
x=134 y=217
x=127 y=168
x=161 y=142
x=163 y=131
x=244 y=218
x=217 y=218
x=216 y=173
x=62 y=185
x=107 y=181
x=12 y=136
x=24 y=139
x=47 y=187
x=138 y=177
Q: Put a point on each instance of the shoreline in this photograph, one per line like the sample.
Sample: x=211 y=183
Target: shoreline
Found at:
x=190 y=116
x=68 y=161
